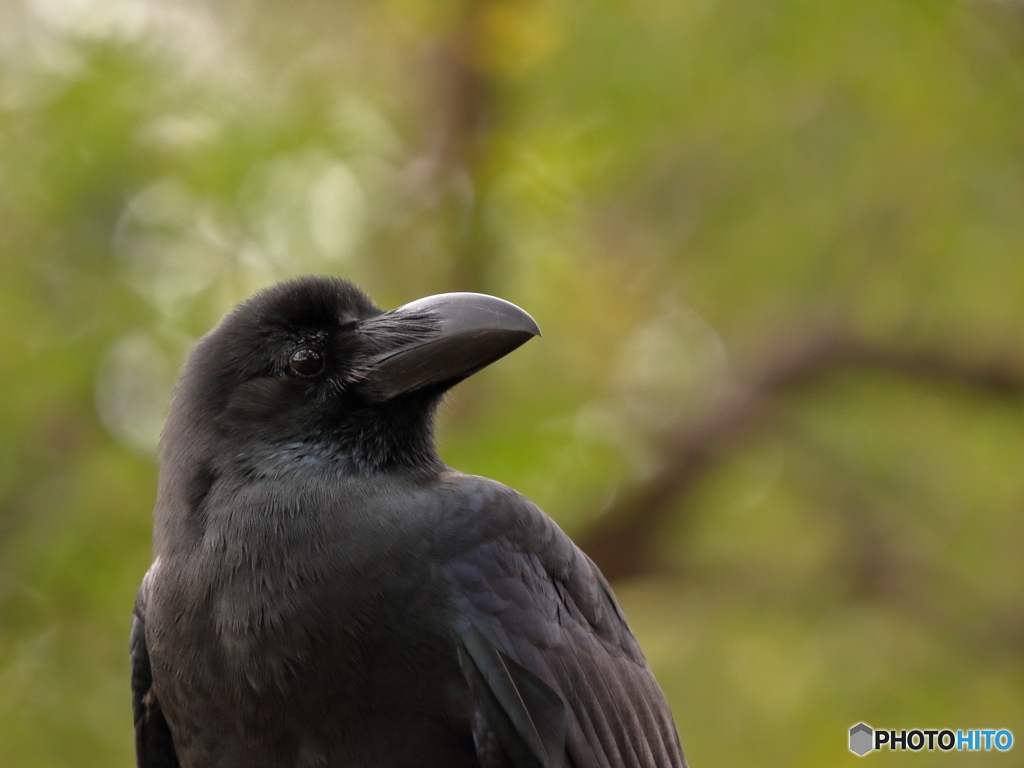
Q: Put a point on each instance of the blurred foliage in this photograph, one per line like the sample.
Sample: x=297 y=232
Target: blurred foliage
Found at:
x=670 y=187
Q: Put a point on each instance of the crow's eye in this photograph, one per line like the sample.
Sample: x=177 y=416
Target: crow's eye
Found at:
x=307 y=361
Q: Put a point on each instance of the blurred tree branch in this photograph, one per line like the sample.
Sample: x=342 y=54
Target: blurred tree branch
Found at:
x=875 y=564
x=463 y=96
x=623 y=541
x=452 y=169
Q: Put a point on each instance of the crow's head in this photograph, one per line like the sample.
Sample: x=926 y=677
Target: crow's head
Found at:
x=311 y=369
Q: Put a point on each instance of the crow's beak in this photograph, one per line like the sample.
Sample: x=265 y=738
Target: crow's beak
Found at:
x=443 y=339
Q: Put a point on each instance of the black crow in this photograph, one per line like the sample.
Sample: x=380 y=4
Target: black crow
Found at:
x=326 y=593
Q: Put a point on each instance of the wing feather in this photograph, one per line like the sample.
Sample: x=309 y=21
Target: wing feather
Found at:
x=525 y=597
x=154 y=747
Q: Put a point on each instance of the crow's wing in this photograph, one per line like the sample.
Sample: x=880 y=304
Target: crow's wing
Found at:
x=153 y=745
x=555 y=675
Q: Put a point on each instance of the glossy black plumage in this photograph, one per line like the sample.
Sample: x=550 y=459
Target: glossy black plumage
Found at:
x=326 y=592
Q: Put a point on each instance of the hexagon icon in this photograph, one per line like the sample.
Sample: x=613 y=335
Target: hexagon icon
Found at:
x=861 y=739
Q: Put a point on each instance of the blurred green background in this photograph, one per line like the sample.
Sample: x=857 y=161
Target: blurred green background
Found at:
x=776 y=248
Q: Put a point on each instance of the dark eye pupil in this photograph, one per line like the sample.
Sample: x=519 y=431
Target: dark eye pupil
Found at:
x=307 y=362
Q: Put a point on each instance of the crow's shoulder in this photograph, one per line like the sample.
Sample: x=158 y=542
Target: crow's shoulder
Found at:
x=512 y=563
x=546 y=651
